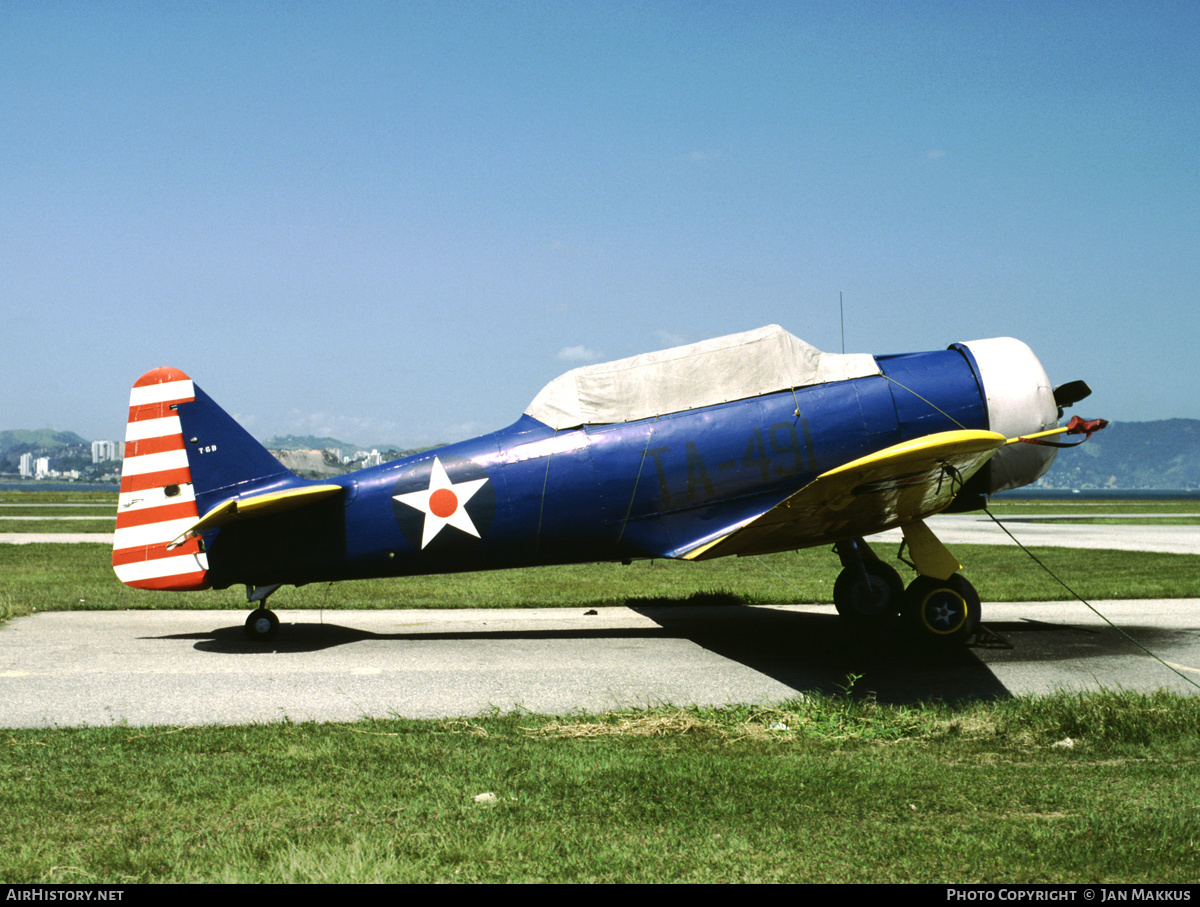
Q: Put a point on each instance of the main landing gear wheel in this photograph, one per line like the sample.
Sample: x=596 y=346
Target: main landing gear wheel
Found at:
x=942 y=611
x=261 y=625
x=872 y=599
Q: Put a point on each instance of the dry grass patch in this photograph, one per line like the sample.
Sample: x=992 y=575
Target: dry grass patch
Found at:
x=652 y=725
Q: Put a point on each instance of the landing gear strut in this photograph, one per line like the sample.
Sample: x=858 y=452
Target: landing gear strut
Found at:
x=261 y=623
x=869 y=593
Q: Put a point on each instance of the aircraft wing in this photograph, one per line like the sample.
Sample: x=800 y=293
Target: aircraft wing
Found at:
x=898 y=485
x=255 y=505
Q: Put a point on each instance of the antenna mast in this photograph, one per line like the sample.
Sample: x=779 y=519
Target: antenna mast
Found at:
x=842 y=311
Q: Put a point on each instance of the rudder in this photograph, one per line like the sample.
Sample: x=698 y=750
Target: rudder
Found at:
x=183 y=456
x=157 y=501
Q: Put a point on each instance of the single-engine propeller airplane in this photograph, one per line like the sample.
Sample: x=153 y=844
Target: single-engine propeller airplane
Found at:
x=746 y=444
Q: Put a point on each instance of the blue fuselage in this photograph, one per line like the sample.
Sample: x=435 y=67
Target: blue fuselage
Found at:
x=529 y=494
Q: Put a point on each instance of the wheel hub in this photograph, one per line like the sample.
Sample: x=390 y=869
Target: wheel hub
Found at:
x=944 y=611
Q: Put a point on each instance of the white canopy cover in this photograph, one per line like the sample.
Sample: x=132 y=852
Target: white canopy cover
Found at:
x=733 y=367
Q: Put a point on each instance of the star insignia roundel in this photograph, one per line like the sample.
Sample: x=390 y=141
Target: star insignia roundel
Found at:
x=443 y=503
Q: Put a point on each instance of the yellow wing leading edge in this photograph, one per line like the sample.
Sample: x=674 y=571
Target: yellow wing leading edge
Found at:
x=897 y=486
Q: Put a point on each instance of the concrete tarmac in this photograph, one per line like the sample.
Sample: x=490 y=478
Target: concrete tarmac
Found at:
x=196 y=667
x=61 y=669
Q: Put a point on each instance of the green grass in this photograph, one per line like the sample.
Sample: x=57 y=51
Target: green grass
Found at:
x=90 y=524
x=1100 y=788
x=57 y=511
x=96 y=510
x=104 y=498
x=54 y=577
x=1096 y=788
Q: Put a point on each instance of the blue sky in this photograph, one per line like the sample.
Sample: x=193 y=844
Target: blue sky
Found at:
x=394 y=222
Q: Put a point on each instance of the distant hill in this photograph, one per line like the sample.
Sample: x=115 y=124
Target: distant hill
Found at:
x=311 y=442
x=312 y=463
x=20 y=441
x=320 y=458
x=65 y=450
x=1146 y=456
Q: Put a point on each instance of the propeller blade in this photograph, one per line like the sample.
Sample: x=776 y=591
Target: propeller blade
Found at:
x=1071 y=393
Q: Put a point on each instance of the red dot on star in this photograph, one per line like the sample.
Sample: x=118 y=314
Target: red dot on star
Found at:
x=443 y=503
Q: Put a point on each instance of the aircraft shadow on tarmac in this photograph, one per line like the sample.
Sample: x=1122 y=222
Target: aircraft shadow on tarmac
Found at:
x=806 y=651
x=820 y=653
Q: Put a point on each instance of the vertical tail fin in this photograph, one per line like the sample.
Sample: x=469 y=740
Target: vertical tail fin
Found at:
x=158 y=499
x=184 y=456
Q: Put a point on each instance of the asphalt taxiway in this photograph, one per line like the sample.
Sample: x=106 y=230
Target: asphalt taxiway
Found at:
x=196 y=667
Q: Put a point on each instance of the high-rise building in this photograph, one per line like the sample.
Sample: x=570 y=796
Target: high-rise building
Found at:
x=105 y=450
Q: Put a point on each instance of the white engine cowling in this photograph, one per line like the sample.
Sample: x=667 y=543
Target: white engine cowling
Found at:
x=1020 y=401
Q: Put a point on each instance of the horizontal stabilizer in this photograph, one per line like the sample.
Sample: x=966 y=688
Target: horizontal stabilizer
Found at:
x=235 y=509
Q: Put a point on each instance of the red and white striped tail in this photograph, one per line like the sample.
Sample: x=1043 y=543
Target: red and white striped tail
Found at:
x=157 y=502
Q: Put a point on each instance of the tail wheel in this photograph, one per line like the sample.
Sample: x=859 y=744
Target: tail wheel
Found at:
x=261 y=625
x=942 y=610
x=875 y=599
